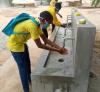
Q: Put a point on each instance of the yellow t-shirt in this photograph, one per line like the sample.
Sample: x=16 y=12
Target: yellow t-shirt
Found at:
x=52 y=11
x=16 y=41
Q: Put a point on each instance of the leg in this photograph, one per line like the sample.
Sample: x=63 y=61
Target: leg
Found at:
x=53 y=27
x=20 y=58
x=28 y=64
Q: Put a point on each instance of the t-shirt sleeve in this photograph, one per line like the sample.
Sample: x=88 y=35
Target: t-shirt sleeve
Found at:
x=35 y=31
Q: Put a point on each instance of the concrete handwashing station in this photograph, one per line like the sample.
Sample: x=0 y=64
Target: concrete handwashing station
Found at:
x=67 y=73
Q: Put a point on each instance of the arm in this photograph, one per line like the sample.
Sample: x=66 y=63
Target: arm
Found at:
x=43 y=46
x=52 y=44
x=49 y=42
x=59 y=15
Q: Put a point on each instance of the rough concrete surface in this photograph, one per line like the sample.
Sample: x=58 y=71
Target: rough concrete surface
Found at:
x=9 y=77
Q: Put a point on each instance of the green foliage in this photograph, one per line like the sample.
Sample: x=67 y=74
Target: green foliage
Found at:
x=48 y=1
x=45 y=1
x=95 y=3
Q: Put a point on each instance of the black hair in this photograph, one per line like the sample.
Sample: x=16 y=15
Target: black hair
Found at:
x=46 y=15
x=58 y=5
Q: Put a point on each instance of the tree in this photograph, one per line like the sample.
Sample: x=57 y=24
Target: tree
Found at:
x=95 y=3
x=48 y=1
x=80 y=2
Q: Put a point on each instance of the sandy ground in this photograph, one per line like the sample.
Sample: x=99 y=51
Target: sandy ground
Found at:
x=9 y=77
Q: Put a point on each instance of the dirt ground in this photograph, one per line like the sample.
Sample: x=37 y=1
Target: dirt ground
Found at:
x=9 y=77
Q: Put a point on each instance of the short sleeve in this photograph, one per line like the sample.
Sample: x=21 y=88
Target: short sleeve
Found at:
x=34 y=30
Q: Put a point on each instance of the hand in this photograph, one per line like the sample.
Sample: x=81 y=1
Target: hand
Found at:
x=69 y=24
x=63 y=51
x=64 y=25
